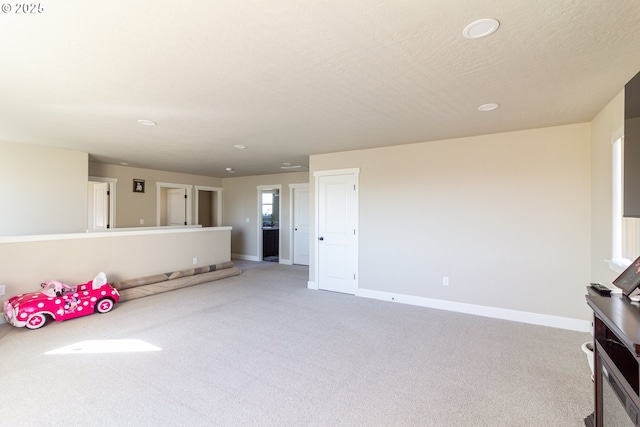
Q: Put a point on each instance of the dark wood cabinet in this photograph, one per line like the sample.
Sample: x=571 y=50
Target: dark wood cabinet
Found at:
x=270 y=242
x=616 y=360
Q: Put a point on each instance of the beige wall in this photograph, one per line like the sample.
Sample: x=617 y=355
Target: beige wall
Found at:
x=506 y=217
x=132 y=207
x=122 y=255
x=606 y=127
x=43 y=190
x=240 y=201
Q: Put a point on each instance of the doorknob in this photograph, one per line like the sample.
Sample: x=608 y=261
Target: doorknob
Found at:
x=320 y=238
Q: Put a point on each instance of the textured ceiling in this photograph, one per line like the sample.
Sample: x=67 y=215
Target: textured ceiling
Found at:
x=288 y=79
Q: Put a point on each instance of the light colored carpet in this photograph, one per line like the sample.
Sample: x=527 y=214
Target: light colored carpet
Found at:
x=260 y=349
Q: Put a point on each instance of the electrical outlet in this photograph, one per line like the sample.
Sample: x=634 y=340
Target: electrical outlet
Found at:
x=2 y=289
x=445 y=281
x=195 y=261
x=141 y=221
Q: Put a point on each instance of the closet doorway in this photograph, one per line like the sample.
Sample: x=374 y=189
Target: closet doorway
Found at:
x=208 y=208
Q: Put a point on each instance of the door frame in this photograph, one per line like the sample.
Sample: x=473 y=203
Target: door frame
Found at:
x=160 y=208
x=112 y=197
x=292 y=222
x=259 y=221
x=216 y=200
x=316 y=226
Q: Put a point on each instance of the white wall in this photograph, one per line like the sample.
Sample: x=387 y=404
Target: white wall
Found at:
x=43 y=190
x=506 y=217
x=77 y=258
x=607 y=126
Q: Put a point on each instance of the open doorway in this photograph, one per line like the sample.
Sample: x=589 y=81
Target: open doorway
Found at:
x=208 y=208
x=269 y=229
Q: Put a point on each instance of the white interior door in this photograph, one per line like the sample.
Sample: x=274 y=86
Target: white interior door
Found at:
x=100 y=205
x=301 y=225
x=177 y=206
x=337 y=239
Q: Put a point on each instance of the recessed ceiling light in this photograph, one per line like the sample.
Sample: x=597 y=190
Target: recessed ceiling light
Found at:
x=488 y=107
x=240 y=146
x=124 y=163
x=480 y=28
x=286 y=164
x=296 y=167
x=147 y=122
x=230 y=170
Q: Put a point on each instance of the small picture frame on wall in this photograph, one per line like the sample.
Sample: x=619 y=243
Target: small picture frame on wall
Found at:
x=138 y=185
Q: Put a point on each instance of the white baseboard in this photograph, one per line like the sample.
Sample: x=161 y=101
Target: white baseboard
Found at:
x=245 y=257
x=312 y=285
x=285 y=261
x=480 y=310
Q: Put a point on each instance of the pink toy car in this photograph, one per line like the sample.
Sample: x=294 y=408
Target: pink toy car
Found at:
x=60 y=302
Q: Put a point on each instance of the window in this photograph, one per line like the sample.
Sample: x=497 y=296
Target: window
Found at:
x=630 y=238
x=267 y=207
x=625 y=231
